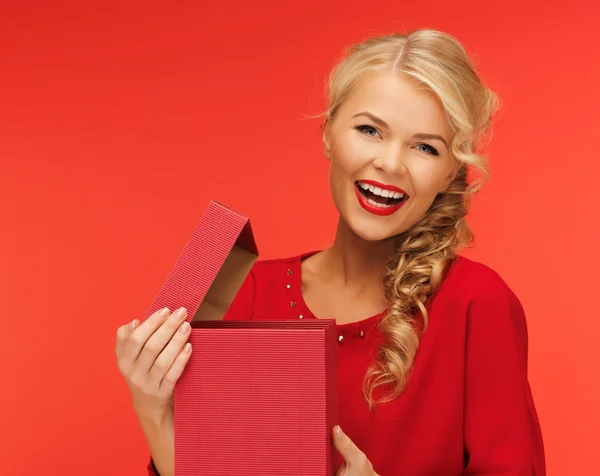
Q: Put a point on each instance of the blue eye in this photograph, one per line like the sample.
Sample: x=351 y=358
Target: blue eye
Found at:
x=428 y=149
x=365 y=129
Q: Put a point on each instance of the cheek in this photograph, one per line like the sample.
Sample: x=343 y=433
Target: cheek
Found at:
x=338 y=181
x=429 y=178
x=350 y=154
x=344 y=168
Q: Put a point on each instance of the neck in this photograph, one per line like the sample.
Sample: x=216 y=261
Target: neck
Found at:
x=357 y=261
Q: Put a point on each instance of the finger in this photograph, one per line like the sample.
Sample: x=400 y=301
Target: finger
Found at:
x=122 y=335
x=352 y=455
x=157 y=342
x=136 y=339
x=165 y=360
x=172 y=376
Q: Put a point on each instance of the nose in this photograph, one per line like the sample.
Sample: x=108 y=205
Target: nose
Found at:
x=392 y=159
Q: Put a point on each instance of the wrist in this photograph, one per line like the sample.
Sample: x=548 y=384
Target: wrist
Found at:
x=154 y=417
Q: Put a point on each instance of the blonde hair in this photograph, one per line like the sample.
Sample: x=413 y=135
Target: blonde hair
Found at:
x=437 y=62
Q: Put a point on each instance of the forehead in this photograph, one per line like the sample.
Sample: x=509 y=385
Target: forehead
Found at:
x=399 y=102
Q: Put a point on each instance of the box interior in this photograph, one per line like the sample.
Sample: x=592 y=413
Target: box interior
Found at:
x=227 y=283
x=312 y=324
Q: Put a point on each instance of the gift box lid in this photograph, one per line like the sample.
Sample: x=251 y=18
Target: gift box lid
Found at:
x=212 y=266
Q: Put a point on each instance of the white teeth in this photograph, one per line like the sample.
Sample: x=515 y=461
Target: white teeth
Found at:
x=380 y=205
x=380 y=192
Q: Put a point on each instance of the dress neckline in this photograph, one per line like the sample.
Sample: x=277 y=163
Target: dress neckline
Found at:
x=351 y=327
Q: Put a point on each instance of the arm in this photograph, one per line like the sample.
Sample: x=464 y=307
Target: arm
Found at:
x=160 y=437
x=502 y=433
x=151 y=357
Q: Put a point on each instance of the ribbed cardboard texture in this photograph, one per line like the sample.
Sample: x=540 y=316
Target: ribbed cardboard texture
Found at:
x=257 y=398
x=211 y=267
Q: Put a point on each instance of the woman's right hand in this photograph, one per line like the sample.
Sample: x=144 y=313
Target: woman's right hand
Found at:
x=151 y=357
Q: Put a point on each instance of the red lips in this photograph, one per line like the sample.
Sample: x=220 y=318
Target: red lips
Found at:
x=379 y=210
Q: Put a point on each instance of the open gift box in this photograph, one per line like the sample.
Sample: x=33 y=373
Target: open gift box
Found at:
x=257 y=398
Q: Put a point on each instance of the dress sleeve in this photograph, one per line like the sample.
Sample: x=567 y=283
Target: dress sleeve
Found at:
x=151 y=469
x=502 y=432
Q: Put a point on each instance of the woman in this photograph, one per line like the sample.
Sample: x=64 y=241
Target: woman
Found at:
x=433 y=347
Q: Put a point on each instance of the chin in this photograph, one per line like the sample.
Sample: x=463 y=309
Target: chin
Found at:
x=368 y=230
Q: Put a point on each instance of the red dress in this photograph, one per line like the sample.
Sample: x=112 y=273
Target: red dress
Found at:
x=468 y=407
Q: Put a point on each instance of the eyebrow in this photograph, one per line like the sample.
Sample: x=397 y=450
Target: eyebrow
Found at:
x=418 y=135
x=423 y=136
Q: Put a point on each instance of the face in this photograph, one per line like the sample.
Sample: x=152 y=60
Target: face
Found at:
x=389 y=150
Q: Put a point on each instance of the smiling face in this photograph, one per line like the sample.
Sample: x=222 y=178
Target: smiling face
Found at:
x=388 y=147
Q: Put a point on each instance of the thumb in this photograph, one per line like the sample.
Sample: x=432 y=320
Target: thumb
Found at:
x=349 y=451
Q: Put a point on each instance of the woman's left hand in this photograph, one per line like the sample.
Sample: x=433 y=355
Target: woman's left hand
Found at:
x=356 y=462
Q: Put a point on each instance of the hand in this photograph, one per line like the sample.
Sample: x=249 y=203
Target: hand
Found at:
x=151 y=357
x=356 y=462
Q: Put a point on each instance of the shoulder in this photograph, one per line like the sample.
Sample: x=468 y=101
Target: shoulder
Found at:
x=263 y=286
x=265 y=270
x=478 y=292
x=473 y=280
x=273 y=265
x=488 y=302
x=268 y=288
x=269 y=275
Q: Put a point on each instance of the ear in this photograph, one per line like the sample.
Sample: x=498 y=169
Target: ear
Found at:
x=327 y=138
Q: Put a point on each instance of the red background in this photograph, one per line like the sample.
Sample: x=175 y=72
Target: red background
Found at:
x=120 y=121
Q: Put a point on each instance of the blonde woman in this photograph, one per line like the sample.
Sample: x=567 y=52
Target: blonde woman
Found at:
x=432 y=346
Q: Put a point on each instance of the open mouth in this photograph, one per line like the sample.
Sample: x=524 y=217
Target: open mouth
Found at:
x=380 y=197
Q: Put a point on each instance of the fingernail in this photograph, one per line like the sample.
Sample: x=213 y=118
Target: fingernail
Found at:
x=184 y=327
x=164 y=312
x=179 y=313
x=134 y=324
x=187 y=348
x=339 y=434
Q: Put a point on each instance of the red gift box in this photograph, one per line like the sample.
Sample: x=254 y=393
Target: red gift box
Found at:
x=257 y=398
